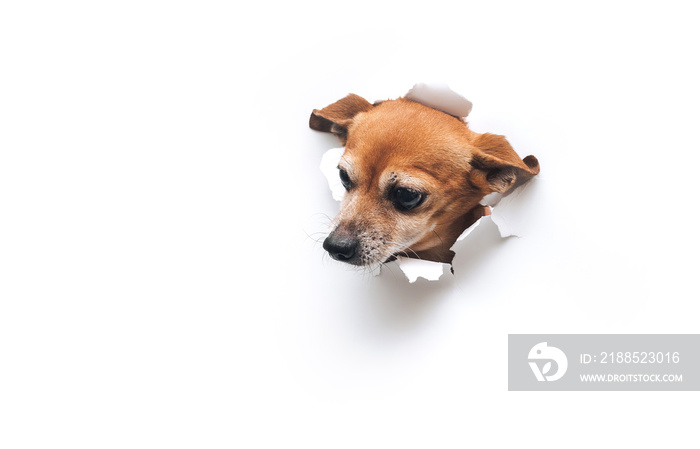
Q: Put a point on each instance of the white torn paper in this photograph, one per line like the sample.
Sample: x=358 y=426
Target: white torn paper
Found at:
x=469 y=229
x=506 y=212
x=440 y=97
x=329 y=168
x=511 y=214
x=415 y=268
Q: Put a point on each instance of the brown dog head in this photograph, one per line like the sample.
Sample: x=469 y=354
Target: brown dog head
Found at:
x=414 y=178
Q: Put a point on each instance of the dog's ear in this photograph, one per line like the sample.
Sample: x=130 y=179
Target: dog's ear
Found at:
x=497 y=167
x=337 y=117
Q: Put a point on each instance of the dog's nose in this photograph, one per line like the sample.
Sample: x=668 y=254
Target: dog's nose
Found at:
x=341 y=247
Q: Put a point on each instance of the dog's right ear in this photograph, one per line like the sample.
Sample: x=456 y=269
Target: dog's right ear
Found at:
x=337 y=117
x=497 y=167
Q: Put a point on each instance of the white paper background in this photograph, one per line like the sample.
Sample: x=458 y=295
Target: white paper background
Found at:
x=162 y=281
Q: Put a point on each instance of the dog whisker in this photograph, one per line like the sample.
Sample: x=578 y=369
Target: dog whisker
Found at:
x=313 y=237
x=438 y=236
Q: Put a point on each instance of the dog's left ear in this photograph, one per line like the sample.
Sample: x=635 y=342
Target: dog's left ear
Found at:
x=337 y=117
x=497 y=167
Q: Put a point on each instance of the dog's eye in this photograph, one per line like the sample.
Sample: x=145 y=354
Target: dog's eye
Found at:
x=407 y=198
x=345 y=179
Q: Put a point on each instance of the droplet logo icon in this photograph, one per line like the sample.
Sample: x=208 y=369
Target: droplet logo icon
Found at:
x=541 y=352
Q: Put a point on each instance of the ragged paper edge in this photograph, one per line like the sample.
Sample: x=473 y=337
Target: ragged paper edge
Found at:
x=415 y=268
x=442 y=98
x=329 y=168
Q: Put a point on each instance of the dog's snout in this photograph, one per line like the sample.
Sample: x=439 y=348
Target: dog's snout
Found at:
x=341 y=246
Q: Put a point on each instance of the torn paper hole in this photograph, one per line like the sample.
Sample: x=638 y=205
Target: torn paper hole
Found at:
x=506 y=213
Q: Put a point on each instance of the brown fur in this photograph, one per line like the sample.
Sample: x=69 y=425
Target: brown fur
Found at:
x=401 y=143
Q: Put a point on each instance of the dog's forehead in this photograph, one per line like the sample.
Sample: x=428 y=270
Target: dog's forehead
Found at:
x=406 y=126
x=403 y=136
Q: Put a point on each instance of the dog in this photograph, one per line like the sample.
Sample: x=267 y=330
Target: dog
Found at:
x=414 y=178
